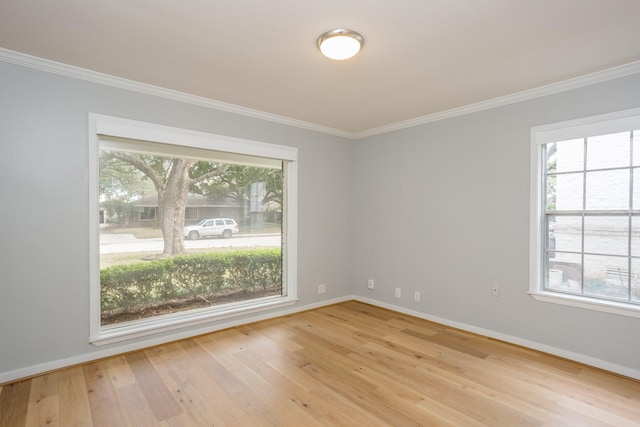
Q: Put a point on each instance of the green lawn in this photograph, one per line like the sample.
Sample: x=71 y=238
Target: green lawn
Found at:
x=109 y=260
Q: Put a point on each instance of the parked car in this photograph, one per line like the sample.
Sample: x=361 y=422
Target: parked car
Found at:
x=218 y=227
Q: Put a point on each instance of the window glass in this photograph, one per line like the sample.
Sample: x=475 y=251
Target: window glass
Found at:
x=606 y=276
x=154 y=268
x=635 y=280
x=567 y=194
x=564 y=272
x=636 y=147
x=607 y=235
x=191 y=213
x=636 y=189
x=635 y=235
x=589 y=210
x=148 y=213
x=566 y=156
x=607 y=190
x=565 y=233
x=608 y=151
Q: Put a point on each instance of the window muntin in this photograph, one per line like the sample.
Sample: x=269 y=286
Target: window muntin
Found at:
x=594 y=252
x=144 y=138
x=586 y=231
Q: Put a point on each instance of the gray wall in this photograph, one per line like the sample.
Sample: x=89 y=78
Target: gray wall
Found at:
x=443 y=209
x=44 y=273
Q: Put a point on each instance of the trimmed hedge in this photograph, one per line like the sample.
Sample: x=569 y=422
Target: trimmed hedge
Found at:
x=255 y=269
x=198 y=276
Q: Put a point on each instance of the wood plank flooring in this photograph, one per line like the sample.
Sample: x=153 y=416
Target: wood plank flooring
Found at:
x=349 y=364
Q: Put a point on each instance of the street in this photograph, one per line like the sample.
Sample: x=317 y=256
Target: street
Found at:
x=118 y=243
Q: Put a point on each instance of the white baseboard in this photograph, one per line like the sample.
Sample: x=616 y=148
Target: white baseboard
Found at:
x=30 y=371
x=15 y=375
x=576 y=357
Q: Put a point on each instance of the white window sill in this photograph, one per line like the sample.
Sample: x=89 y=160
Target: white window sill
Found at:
x=139 y=328
x=620 y=308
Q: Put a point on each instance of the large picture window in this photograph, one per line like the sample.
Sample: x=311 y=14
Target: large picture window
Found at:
x=586 y=224
x=188 y=227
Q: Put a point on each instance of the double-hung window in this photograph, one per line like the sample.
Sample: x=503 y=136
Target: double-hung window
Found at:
x=585 y=219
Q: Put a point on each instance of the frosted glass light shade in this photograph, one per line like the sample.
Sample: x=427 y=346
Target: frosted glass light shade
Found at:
x=340 y=44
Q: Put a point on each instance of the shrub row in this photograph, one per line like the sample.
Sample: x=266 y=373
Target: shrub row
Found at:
x=199 y=276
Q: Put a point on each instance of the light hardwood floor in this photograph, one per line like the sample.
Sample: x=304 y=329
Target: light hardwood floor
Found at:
x=349 y=364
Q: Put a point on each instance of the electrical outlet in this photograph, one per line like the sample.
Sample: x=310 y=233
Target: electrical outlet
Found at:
x=322 y=289
x=495 y=290
x=371 y=284
x=398 y=292
x=416 y=296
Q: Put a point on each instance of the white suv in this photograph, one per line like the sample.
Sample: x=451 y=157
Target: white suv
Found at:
x=220 y=227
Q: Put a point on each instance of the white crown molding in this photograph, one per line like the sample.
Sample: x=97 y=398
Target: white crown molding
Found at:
x=117 y=82
x=550 y=89
x=47 y=65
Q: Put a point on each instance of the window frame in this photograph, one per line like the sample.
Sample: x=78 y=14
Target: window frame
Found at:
x=102 y=127
x=541 y=135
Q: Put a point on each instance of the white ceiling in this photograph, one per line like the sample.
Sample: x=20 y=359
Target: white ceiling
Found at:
x=420 y=57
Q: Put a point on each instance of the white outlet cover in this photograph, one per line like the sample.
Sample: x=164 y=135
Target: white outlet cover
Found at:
x=322 y=289
x=495 y=290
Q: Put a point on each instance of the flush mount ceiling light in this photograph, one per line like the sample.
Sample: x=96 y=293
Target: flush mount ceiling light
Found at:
x=340 y=44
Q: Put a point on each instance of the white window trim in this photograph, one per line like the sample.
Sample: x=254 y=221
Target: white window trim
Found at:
x=540 y=135
x=101 y=126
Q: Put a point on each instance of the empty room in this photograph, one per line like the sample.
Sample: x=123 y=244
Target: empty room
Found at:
x=338 y=213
